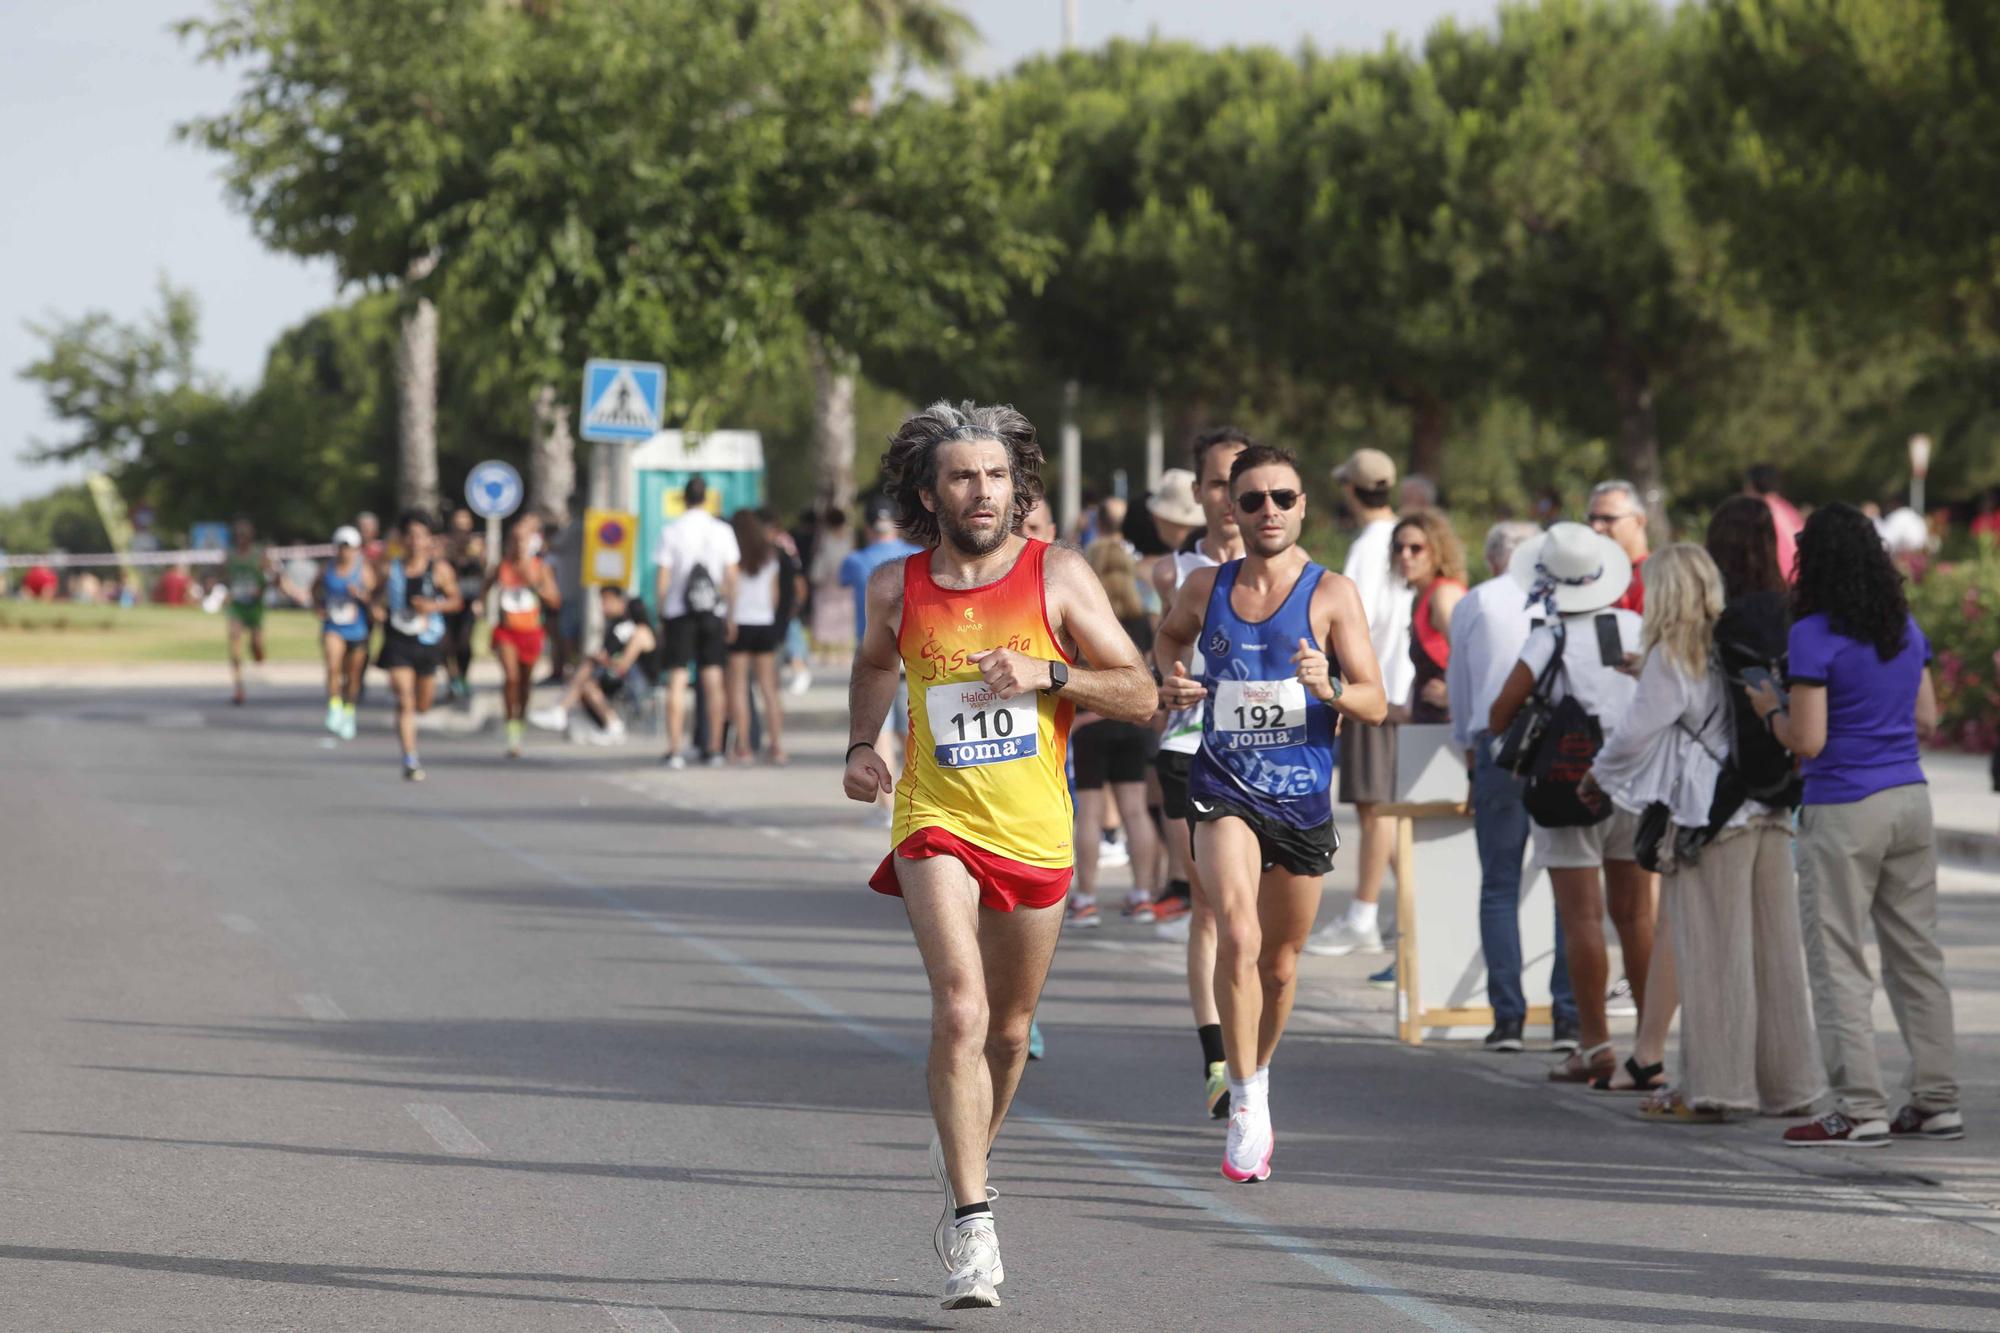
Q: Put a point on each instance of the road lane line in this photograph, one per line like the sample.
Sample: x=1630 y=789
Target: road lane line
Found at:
x=321 y=1008
x=449 y=1131
x=1362 y=1281
x=239 y=923
x=639 y=1318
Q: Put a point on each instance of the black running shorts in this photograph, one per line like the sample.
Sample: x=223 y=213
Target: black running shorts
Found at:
x=1172 y=766
x=1111 y=752
x=1302 y=851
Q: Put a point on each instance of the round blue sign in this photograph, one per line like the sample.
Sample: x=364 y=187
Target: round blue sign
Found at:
x=493 y=489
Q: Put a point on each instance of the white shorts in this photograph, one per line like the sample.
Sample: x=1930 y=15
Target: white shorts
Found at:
x=1588 y=847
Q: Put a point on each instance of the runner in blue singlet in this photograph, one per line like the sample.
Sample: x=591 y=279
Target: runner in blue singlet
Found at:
x=345 y=588
x=1259 y=797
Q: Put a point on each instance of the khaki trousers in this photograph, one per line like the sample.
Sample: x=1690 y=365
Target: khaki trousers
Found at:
x=1746 y=1014
x=1876 y=859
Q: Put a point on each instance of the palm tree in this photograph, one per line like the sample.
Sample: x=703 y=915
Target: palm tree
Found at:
x=923 y=34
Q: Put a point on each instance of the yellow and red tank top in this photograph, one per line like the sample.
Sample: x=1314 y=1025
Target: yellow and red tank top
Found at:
x=989 y=770
x=520 y=604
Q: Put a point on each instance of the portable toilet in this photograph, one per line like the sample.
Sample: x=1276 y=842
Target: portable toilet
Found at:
x=730 y=461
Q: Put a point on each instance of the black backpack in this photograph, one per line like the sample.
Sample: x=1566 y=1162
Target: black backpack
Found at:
x=1563 y=738
x=1752 y=633
x=701 y=594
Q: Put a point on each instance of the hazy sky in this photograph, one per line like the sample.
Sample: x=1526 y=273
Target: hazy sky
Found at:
x=103 y=201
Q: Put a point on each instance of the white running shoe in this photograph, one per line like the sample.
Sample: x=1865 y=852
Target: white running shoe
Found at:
x=347 y=724
x=1343 y=937
x=941 y=1236
x=1114 y=852
x=801 y=681
x=553 y=718
x=1175 y=930
x=1246 y=1154
x=975 y=1267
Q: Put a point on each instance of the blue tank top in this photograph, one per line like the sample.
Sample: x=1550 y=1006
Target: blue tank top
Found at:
x=425 y=628
x=1266 y=744
x=344 y=613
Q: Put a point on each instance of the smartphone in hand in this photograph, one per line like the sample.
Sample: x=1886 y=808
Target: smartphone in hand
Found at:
x=1757 y=677
x=1610 y=644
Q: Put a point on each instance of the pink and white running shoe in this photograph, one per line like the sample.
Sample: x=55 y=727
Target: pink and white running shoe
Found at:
x=1246 y=1155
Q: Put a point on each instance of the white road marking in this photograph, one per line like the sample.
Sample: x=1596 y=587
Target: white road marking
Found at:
x=639 y=1318
x=449 y=1131
x=239 y=923
x=1361 y=1280
x=321 y=1008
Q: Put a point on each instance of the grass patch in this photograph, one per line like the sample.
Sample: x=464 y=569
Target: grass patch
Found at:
x=66 y=634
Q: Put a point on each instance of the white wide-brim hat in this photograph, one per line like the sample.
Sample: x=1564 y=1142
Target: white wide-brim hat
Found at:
x=1174 y=501
x=1586 y=572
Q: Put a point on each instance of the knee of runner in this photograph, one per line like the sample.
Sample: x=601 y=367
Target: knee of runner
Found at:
x=961 y=1019
x=1240 y=942
x=1008 y=1037
x=1278 y=968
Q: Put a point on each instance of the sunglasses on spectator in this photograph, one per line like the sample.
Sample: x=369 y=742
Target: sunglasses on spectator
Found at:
x=1252 y=502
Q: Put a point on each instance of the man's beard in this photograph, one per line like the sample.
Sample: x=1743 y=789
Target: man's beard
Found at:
x=970 y=540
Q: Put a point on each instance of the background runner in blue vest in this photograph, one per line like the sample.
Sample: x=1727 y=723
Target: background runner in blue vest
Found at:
x=1259 y=789
x=346 y=586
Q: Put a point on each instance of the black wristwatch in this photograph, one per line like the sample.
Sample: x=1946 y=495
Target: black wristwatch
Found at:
x=1058 y=676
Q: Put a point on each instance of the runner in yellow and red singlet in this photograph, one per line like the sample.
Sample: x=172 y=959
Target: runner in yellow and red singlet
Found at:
x=988 y=626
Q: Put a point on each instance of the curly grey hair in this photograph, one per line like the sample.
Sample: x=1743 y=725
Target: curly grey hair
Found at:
x=909 y=465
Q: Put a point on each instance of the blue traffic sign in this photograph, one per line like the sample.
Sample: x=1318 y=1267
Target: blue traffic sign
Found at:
x=493 y=489
x=622 y=400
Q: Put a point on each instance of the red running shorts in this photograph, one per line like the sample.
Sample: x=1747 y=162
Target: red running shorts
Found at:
x=1004 y=883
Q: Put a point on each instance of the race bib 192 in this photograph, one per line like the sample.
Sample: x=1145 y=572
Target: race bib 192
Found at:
x=969 y=726
x=1260 y=714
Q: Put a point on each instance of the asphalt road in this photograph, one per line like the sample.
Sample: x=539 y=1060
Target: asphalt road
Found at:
x=579 y=1043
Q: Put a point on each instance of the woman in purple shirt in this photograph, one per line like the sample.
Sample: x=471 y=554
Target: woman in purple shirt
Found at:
x=1861 y=700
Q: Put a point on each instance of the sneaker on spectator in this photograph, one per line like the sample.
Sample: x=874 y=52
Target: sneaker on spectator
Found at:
x=1913 y=1122
x=1618 y=1002
x=1385 y=979
x=1505 y=1038
x=1170 y=908
x=1175 y=929
x=1567 y=1037
x=553 y=718
x=1082 y=914
x=1138 y=907
x=1113 y=851
x=1343 y=937
x=1834 y=1130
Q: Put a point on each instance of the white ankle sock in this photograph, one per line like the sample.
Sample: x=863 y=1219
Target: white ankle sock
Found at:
x=1247 y=1093
x=1362 y=915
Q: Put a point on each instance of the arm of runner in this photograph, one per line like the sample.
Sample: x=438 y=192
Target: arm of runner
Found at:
x=1362 y=696
x=872 y=687
x=1175 y=638
x=449 y=601
x=1117 y=686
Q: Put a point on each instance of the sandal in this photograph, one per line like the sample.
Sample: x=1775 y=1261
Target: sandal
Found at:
x=1584 y=1066
x=1665 y=1107
x=1642 y=1078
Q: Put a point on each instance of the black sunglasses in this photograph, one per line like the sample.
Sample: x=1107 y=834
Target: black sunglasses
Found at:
x=1252 y=502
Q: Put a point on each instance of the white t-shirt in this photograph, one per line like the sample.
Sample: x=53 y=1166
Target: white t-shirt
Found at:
x=696 y=537
x=1388 y=601
x=757 y=594
x=1605 y=691
x=1489 y=626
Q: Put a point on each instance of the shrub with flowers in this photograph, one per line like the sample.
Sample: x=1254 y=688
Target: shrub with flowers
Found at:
x=1958 y=605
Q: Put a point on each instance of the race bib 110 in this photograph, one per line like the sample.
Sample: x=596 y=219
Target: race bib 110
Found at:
x=970 y=727
x=1260 y=714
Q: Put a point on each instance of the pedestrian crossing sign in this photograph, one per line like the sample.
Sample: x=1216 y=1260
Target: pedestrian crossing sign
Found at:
x=622 y=400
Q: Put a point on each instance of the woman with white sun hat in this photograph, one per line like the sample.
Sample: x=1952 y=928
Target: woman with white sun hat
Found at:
x=1573 y=577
